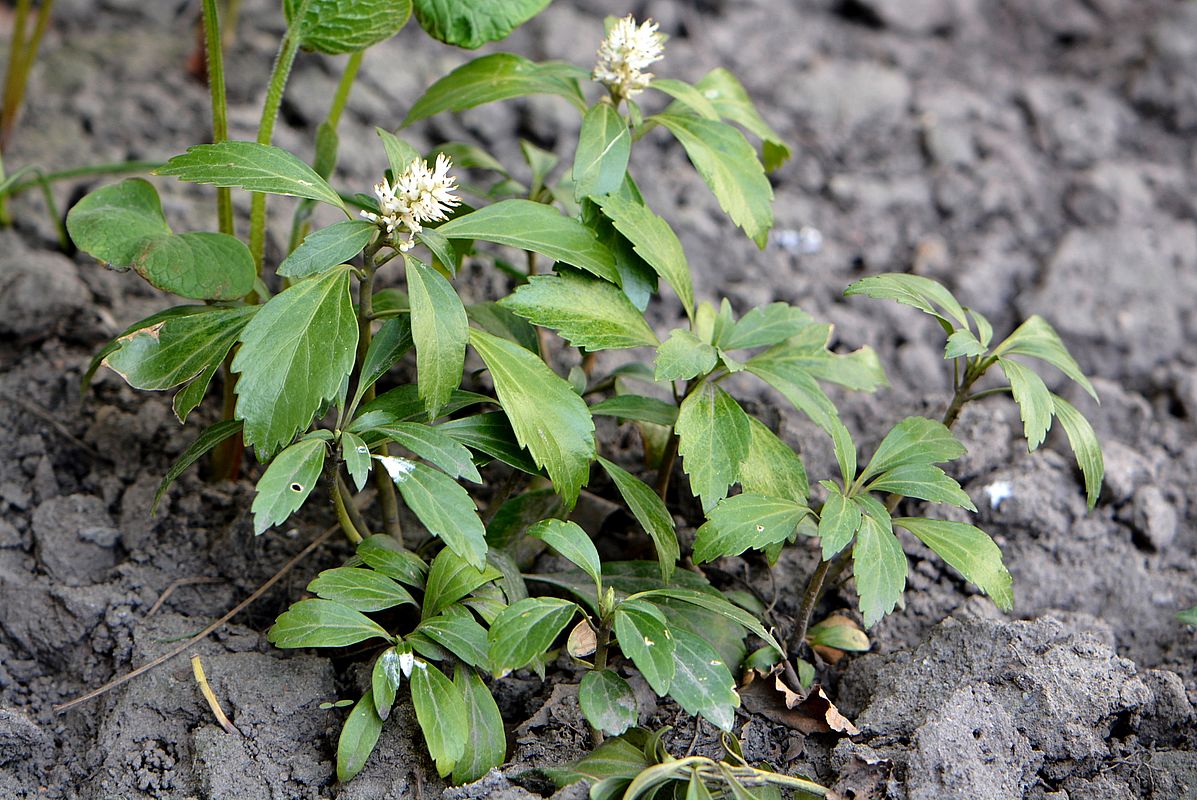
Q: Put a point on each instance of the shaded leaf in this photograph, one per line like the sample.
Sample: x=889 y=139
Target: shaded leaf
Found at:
x=473 y=23
x=644 y=637
x=702 y=682
x=654 y=241
x=607 y=701
x=358 y=738
x=486 y=740
x=652 y=514
x=525 y=630
x=384 y=554
x=637 y=407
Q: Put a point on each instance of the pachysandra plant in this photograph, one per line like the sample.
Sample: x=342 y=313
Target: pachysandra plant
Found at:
x=307 y=356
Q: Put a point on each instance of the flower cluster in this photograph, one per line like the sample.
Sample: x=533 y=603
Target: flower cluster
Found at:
x=421 y=194
x=624 y=55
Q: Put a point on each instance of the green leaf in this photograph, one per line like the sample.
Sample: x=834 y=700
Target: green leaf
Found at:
x=486 y=740
x=925 y=482
x=358 y=738
x=601 y=158
x=962 y=342
x=743 y=522
x=914 y=440
x=702 y=683
x=363 y=589
x=385 y=679
x=440 y=329
x=499 y=76
x=573 y=543
x=328 y=247
x=525 y=630
x=652 y=514
x=607 y=701
x=684 y=356
x=445 y=508
x=916 y=291
x=713 y=439
x=389 y=344
x=772 y=468
x=111 y=223
x=766 y=325
x=356 y=456
x=452 y=578
x=204 y=443
x=295 y=356
x=644 y=637
x=494 y=319
x=969 y=551
x=588 y=313
x=1188 y=617
x=336 y=27
x=457 y=631
x=880 y=568
x=434 y=446
x=441 y=712
x=712 y=601
x=403 y=403
x=615 y=758
x=382 y=553
x=1035 y=404
x=1084 y=444
x=491 y=434
x=287 y=482
x=638 y=408
x=473 y=23
x=728 y=164
x=546 y=415
x=688 y=96
x=249 y=165
x=730 y=99
x=654 y=241
x=539 y=228
x=1037 y=339
x=845 y=637
x=322 y=623
x=443 y=251
x=838 y=522
x=400 y=154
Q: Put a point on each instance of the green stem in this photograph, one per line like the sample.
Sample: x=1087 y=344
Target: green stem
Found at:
x=232 y=12
x=12 y=75
x=343 y=517
x=355 y=516
x=28 y=55
x=220 y=106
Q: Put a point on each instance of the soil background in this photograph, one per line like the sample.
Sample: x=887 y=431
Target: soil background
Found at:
x=1037 y=157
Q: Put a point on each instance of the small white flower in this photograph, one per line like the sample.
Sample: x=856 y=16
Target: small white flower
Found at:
x=421 y=194
x=624 y=55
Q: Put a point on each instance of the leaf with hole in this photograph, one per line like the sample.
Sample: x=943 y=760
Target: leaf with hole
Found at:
x=287 y=482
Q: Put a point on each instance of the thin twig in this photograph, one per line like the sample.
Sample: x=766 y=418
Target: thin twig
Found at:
x=197 y=669
x=175 y=585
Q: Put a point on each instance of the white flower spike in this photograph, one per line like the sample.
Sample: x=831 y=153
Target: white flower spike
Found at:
x=624 y=55
x=421 y=194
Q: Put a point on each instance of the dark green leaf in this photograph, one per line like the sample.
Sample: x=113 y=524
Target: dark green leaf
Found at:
x=743 y=522
x=328 y=247
x=384 y=554
x=499 y=76
x=515 y=516
x=287 y=482
x=252 y=166
x=838 y=522
x=607 y=701
x=363 y=589
x=434 y=446
x=385 y=678
x=295 y=356
x=1037 y=339
x=486 y=740
x=525 y=630
x=772 y=468
x=713 y=438
x=1035 y=404
x=970 y=551
x=452 y=578
x=614 y=758
x=322 y=623
x=922 y=293
x=1084 y=444
x=400 y=154
x=914 y=440
x=390 y=344
x=403 y=403
x=358 y=738
x=204 y=443
x=491 y=433
x=457 y=631
x=925 y=482
x=880 y=568
x=336 y=27
x=440 y=329
x=496 y=320
x=650 y=511
x=111 y=223
x=588 y=313
x=445 y=508
x=644 y=637
x=539 y=228
x=654 y=241
x=714 y=602
x=637 y=407
x=601 y=158
x=546 y=415
x=441 y=712
x=573 y=543
x=702 y=682
x=684 y=356
x=730 y=99
x=473 y=23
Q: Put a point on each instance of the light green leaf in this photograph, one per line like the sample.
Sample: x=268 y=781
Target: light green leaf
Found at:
x=486 y=740
x=295 y=356
x=389 y=344
x=925 y=482
x=702 y=683
x=494 y=319
x=688 y=96
x=607 y=701
x=916 y=291
x=743 y=522
x=441 y=331
x=434 y=446
x=499 y=76
x=1084 y=444
x=838 y=522
x=1037 y=339
x=652 y=514
x=287 y=482
x=573 y=543
x=963 y=342
x=336 y=244
x=452 y=578
x=336 y=27
x=539 y=228
x=322 y=623
x=358 y=738
x=601 y=158
x=970 y=551
x=111 y=223
x=382 y=553
x=356 y=456
x=914 y=440
x=1189 y=616
x=728 y=164
x=473 y=23
x=765 y=325
x=644 y=637
x=363 y=589
x=547 y=416
x=204 y=443
x=400 y=154
x=845 y=637
x=249 y=165
x=684 y=356
x=713 y=439
x=730 y=99
x=808 y=351
x=654 y=241
x=588 y=313
x=441 y=712
x=457 y=631
x=772 y=468
x=638 y=408
x=1035 y=404
x=443 y=506
x=880 y=568
x=525 y=630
